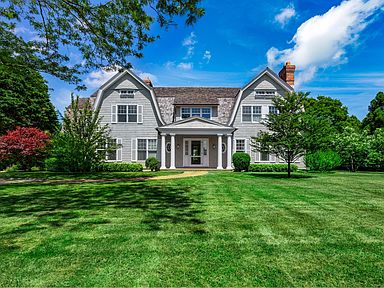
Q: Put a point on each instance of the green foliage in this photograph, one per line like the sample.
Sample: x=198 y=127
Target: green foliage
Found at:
x=52 y=164
x=271 y=168
x=324 y=118
x=77 y=146
x=241 y=161
x=353 y=146
x=104 y=33
x=376 y=153
x=24 y=100
x=375 y=116
x=285 y=137
x=119 y=167
x=152 y=163
x=322 y=160
x=12 y=168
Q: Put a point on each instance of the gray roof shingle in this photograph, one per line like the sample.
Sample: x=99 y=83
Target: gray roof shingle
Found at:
x=196 y=95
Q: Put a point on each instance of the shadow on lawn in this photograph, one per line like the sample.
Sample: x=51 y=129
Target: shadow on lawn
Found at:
x=55 y=205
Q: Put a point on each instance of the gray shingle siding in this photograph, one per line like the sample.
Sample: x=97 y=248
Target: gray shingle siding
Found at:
x=128 y=131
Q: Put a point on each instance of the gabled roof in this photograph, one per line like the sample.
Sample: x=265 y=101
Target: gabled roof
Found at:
x=196 y=95
x=273 y=75
x=266 y=71
x=115 y=78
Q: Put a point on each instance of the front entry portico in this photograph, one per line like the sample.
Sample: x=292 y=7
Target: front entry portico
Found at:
x=196 y=143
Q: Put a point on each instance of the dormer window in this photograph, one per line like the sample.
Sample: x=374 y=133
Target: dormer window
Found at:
x=187 y=112
x=264 y=94
x=127 y=93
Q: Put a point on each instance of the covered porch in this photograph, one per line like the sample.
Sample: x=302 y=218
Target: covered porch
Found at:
x=196 y=143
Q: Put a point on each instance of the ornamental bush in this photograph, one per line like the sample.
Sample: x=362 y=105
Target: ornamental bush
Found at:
x=24 y=146
x=271 y=168
x=241 y=161
x=322 y=161
x=119 y=167
x=152 y=163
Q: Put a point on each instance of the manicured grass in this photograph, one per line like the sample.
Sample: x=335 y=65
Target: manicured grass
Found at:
x=221 y=229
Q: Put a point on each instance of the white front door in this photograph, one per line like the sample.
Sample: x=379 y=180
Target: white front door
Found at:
x=196 y=152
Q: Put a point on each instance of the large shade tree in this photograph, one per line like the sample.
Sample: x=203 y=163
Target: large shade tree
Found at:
x=375 y=116
x=324 y=118
x=286 y=137
x=104 y=33
x=24 y=100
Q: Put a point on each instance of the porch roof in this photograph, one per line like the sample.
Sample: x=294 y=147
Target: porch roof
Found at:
x=196 y=126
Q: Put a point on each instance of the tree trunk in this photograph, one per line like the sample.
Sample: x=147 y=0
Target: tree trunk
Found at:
x=289 y=165
x=289 y=168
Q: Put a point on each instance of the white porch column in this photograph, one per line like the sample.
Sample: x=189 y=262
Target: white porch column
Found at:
x=229 y=151
x=173 y=152
x=219 y=151
x=163 y=151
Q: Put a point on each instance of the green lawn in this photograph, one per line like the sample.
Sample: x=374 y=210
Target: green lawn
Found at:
x=221 y=229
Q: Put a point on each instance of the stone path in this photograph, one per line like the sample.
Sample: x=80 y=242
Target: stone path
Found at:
x=181 y=175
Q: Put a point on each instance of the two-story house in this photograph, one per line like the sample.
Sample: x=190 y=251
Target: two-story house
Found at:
x=188 y=126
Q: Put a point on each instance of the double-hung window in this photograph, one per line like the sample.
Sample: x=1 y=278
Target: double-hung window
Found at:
x=273 y=110
x=187 y=112
x=240 y=145
x=123 y=113
x=146 y=148
x=114 y=154
x=264 y=157
x=251 y=114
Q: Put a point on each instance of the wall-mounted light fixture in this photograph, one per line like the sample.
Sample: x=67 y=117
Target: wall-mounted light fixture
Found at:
x=214 y=146
x=178 y=146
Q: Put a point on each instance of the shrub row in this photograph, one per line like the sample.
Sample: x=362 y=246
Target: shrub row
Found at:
x=322 y=161
x=119 y=167
x=271 y=168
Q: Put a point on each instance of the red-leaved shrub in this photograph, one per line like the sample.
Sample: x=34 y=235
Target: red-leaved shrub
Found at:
x=25 y=146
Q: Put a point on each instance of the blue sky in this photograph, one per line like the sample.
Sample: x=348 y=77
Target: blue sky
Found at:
x=337 y=47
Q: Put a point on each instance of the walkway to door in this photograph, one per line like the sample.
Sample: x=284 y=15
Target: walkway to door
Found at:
x=186 y=174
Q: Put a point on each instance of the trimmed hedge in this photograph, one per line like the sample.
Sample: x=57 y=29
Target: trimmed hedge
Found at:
x=271 y=168
x=241 y=161
x=119 y=167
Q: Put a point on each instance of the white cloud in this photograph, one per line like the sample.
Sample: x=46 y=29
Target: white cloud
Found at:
x=190 y=40
x=97 y=78
x=322 y=40
x=190 y=43
x=207 y=56
x=185 y=65
x=285 y=15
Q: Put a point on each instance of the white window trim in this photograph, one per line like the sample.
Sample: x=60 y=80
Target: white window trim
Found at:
x=119 y=151
x=190 y=113
x=265 y=161
x=140 y=116
x=265 y=95
x=252 y=107
x=245 y=145
x=269 y=109
x=145 y=138
x=128 y=95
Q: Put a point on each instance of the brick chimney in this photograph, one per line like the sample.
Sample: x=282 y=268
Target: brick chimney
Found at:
x=288 y=73
x=148 y=81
